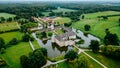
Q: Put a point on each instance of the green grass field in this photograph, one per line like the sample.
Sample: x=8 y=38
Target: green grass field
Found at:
x=110 y=63
x=63 y=10
x=92 y=63
x=36 y=45
x=12 y=54
x=6 y=15
x=98 y=27
x=10 y=35
x=8 y=26
x=94 y=15
x=46 y=13
x=63 y=20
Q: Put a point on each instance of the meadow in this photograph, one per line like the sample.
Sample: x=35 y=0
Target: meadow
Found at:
x=12 y=54
x=95 y=15
x=63 y=20
x=8 y=26
x=110 y=63
x=10 y=35
x=6 y=15
x=63 y=10
x=98 y=26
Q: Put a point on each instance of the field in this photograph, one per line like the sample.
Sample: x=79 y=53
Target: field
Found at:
x=10 y=35
x=94 y=15
x=63 y=20
x=63 y=10
x=12 y=54
x=8 y=26
x=98 y=27
x=110 y=63
x=46 y=13
x=6 y=15
x=92 y=64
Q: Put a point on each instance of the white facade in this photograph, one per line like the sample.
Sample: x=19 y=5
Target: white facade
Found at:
x=40 y=26
x=65 y=43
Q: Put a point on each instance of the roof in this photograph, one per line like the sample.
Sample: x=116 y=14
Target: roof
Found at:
x=64 y=37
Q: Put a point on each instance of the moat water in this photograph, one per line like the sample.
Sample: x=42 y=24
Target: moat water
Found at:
x=54 y=50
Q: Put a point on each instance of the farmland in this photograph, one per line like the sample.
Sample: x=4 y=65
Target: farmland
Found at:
x=8 y=26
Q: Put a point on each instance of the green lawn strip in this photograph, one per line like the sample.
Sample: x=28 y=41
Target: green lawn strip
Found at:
x=35 y=44
x=10 y=35
x=63 y=20
x=6 y=15
x=57 y=58
x=8 y=26
x=110 y=63
x=94 y=15
x=13 y=53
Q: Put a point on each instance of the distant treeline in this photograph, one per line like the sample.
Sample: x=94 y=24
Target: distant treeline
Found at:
x=26 y=11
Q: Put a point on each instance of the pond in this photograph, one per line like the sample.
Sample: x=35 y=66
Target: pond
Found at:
x=53 y=49
x=87 y=39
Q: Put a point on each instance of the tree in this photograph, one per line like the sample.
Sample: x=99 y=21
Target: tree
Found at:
x=14 y=41
x=2 y=19
x=83 y=16
x=36 y=59
x=105 y=17
x=111 y=39
x=82 y=62
x=24 y=61
x=26 y=38
x=9 y=19
x=50 y=34
x=87 y=27
x=44 y=51
x=44 y=34
x=2 y=43
x=94 y=45
x=71 y=55
x=52 y=14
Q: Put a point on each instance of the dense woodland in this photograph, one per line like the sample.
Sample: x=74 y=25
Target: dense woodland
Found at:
x=36 y=9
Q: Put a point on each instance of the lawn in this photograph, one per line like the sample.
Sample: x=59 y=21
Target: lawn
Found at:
x=10 y=35
x=46 y=13
x=8 y=26
x=36 y=45
x=98 y=27
x=63 y=10
x=12 y=54
x=92 y=63
x=6 y=15
x=110 y=63
x=94 y=15
x=63 y=20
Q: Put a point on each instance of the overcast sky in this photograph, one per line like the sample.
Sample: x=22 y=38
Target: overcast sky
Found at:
x=59 y=0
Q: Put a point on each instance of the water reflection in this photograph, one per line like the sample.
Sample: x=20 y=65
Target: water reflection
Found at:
x=53 y=49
